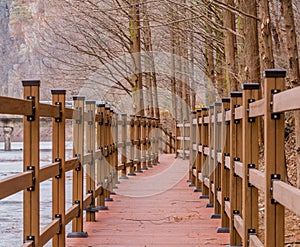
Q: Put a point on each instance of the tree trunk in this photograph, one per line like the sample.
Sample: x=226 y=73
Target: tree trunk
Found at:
x=267 y=53
x=293 y=63
x=173 y=75
x=192 y=72
x=136 y=77
x=251 y=46
x=148 y=62
x=230 y=48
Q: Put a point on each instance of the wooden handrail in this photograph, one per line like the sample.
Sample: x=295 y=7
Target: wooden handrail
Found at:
x=98 y=166
x=233 y=186
x=15 y=106
x=14 y=184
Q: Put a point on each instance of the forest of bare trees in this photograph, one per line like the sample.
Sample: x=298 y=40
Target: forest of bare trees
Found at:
x=113 y=45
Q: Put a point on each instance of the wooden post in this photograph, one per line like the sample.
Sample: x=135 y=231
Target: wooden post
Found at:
x=183 y=143
x=137 y=139
x=211 y=137
x=101 y=161
x=250 y=161
x=170 y=142
x=204 y=160
x=131 y=133
x=31 y=205
x=197 y=153
x=216 y=165
x=124 y=146
x=157 y=142
x=177 y=141
x=143 y=143
x=192 y=152
x=115 y=149
x=90 y=166
x=58 y=155
x=274 y=158
x=225 y=172
x=235 y=155
x=78 y=151
x=108 y=167
x=149 y=142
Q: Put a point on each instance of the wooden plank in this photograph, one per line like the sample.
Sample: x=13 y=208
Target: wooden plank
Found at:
x=287 y=195
x=194 y=121
x=72 y=114
x=287 y=100
x=228 y=115
x=219 y=157
x=179 y=125
x=187 y=125
x=49 y=171
x=220 y=117
x=206 y=120
x=200 y=148
x=49 y=231
x=187 y=138
x=227 y=161
x=239 y=225
x=195 y=147
x=14 y=184
x=87 y=158
x=98 y=153
x=71 y=213
x=239 y=169
x=15 y=106
x=180 y=138
x=257 y=178
x=206 y=182
x=238 y=113
x=255 y=242
x=227 y=208
x=194 y=172
x=98 y=191
x=219 y=197
x=212 y=188
x=72 y=164
x=28 y=244
x=47 y=110
x=121 y=167
x=87 y=200
x=257 y=108
x=212 y=119
x=206 y=151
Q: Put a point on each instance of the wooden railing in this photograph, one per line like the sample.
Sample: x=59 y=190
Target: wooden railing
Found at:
x=225 y=166
x=99 y=136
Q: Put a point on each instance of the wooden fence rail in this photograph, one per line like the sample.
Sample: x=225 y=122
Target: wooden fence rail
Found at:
x=224 y=161
x=99 y=136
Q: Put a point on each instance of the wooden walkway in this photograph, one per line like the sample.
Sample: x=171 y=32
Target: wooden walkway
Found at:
x=162 y=212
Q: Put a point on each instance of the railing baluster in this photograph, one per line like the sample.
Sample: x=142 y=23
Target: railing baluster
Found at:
x=78 y=151
x=58 y=155
x=101 y=161
x=90 y=149
x=235 y=155
x=31 y=223
x=274 y=158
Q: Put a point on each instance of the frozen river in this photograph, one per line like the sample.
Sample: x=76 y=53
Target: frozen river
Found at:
x=11 y=208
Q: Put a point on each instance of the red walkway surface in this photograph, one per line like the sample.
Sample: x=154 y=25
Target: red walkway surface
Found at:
x=174 y=217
